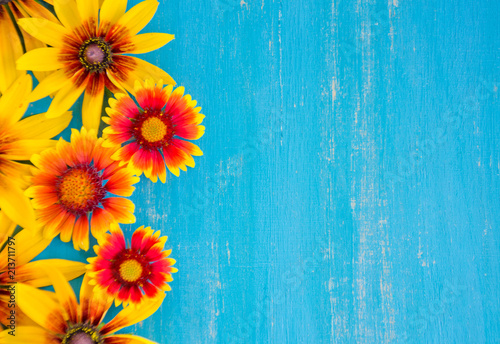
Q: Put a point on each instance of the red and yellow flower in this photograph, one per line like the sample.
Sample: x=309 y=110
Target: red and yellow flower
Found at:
x=21 y=249
x=86 y=53
x=135 y=274
x=19 y=140
x=153 y=130
x=62 y=320
x=77 y=184
x=11 y=44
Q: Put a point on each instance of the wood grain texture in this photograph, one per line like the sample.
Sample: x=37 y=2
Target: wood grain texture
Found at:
x=350 y=187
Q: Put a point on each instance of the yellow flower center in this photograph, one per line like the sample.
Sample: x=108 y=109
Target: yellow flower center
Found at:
x=153 y=129
x=130 y=270
x=76 y=188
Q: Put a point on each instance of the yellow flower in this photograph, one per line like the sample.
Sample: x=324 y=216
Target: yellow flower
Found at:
x=11 y=46
x=19 y=139
x=68 y=322
x=86 y=53
x=16 y=267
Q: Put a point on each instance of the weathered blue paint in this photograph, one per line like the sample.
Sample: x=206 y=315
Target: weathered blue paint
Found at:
x=350 y=187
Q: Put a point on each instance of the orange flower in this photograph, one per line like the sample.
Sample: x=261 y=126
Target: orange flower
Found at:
x=154 y=130
x=74 y=186
x=134 y=274
x=87 y=53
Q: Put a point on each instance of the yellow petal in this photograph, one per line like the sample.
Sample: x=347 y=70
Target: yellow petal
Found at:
x=41 y=127
x=131 y=315
x=13 y=103
x=88 y=9
x=35 y=10
x=43 y=59
x=32 y=43
x=11 y=50
x=92 y=108
x=64 y=99
x=28 y=245
x=41 y=309
x=17 y=206
x=93 y=304
x=52 y=83
x=32 y=273
x=44 y=30
x=112 y=10
x=139 y=16
x=28 y=334
x=64 y=292
x=145 y=70
x=67 y=12
x=130 y=339
x=24 y=149
x=147 y=42
x=6 y=229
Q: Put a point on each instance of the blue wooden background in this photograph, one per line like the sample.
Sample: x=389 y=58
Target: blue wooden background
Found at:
x=350 y=187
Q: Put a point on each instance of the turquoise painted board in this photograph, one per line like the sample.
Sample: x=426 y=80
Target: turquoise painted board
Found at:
x=349 y=190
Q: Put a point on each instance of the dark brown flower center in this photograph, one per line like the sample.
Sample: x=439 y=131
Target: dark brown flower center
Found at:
x=95 y=54
x=82 y=334
x=4 y=2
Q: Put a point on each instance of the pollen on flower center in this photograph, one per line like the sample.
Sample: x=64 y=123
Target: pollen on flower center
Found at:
x=83 y=334
x=153 y=129
x=95 y=55
x=130 y=270
x=80 y=189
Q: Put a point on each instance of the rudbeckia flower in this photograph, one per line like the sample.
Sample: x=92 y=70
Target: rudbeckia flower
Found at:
x=134 y=274
x=67 y=322
x=21 y=249
x=151 y=130
x=86 y=53
x=11 y=45
x=19 y=140
x=75 y=185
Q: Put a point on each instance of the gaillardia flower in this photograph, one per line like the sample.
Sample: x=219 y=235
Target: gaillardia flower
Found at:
x=11 y=46
x=21 y=249
x=19 y=140
x=135 y=274
x=151 y=130
x=76 y=184
x=86 y=53
x=64 y=321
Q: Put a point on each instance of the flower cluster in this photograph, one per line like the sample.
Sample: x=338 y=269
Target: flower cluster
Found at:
x=79 y=190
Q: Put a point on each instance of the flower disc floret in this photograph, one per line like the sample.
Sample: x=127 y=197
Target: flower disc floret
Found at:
x=82 y=334
x=95 y=55
x=80 y=189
